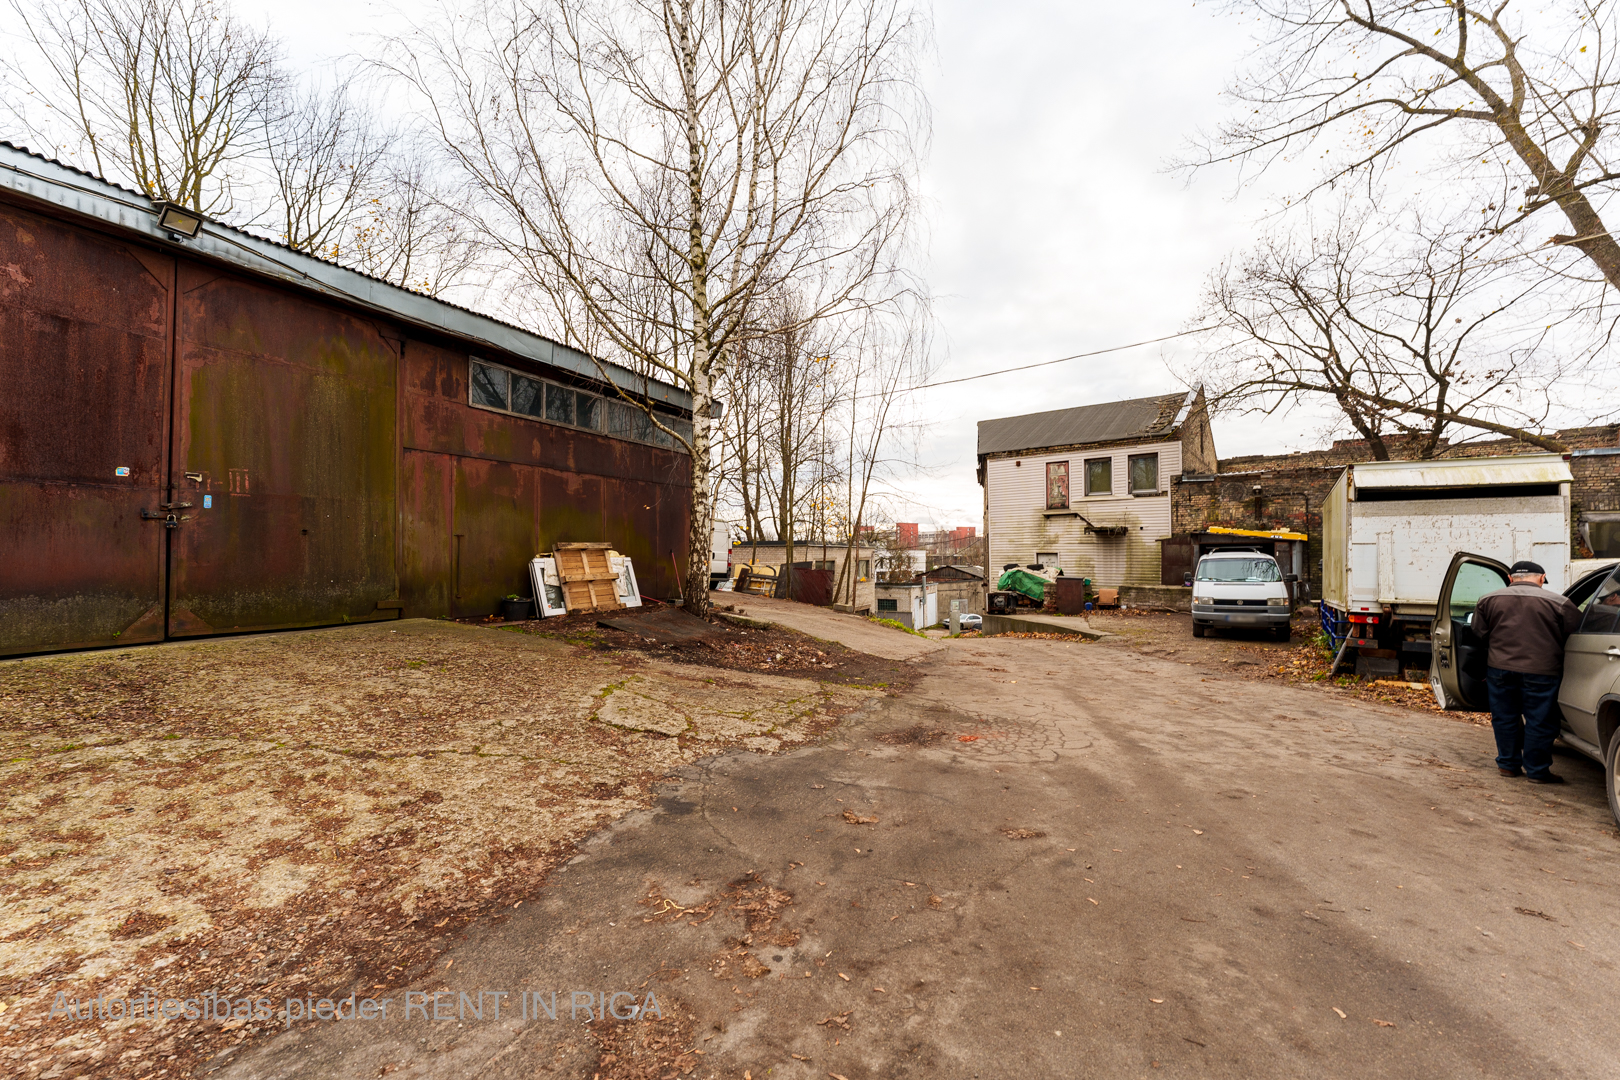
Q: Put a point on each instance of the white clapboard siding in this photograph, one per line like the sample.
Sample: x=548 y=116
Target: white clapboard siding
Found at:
x=1016 y=495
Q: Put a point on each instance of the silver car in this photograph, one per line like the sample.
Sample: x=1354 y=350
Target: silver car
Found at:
x=1590 y=694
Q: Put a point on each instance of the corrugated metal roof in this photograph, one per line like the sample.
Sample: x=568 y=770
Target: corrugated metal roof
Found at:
x=1107 y=422
x=50 y=180
x=1462 y=472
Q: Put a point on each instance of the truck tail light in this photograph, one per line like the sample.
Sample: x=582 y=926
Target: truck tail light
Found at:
x=1363 y=618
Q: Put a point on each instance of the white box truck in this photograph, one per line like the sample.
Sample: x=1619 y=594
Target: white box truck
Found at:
x=1390 y=528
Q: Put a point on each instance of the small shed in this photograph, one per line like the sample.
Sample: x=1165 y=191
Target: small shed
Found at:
x=916 y=604
x=964 y=583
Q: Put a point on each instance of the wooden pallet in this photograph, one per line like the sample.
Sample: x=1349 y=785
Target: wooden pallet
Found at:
x=588 y=580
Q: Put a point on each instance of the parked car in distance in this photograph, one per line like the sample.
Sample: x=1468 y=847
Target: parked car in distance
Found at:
x=970 y=621
x=1589 y=697
x=1242 y=589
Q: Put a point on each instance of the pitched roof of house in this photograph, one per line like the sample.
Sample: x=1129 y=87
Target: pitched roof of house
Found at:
x=1108 y=422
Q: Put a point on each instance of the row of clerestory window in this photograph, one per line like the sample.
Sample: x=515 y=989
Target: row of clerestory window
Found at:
x=492 y=387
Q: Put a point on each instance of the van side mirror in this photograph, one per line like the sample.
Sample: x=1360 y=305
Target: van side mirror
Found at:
x=1186 y=577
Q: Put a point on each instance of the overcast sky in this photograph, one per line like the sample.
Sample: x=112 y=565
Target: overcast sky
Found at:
x=1054 y=227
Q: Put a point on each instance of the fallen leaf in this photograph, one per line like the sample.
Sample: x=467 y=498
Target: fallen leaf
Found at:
x=1198 y=832
x=1384 y=1023
x=879 y=990
x=1021 y=834
x=1093 y=901
x=800 y=1057
x=841 y=975
x=1157 y=1001
x=836 y=1076
x=856 y=819
x=1577 y=944
x=1341 y=1013
x=967 y=738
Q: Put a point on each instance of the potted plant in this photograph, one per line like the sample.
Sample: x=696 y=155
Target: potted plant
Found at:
x=515 y=608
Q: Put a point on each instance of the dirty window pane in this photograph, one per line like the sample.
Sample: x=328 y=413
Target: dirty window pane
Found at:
x=683 y=428
x=1100 y=476
x=488 y=386
x=642 y=431
x=526 y=396
x=660 y=436
x=585 y=411
x=619 y=421
x=1144 y=472
x=863 y=568
x=559 y=404
x=888 y=605
x=1057 y=485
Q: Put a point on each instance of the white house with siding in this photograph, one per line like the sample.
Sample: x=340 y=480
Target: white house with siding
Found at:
x=1088 y=488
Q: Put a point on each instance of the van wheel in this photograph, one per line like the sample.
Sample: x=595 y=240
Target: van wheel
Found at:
x=1198 y=629
x=1611 y=775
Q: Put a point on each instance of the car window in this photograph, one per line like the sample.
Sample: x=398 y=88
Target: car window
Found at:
x=1473 y=581
x=1580 y=594
x=1603 y=613
x=1238 y=570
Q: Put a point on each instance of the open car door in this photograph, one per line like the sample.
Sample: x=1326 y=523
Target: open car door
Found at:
x=1457 y=665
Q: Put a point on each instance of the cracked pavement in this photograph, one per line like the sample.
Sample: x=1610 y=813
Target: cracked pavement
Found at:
x=1085 y=861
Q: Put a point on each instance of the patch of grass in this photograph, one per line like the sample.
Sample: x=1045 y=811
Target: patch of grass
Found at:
x=898 y=626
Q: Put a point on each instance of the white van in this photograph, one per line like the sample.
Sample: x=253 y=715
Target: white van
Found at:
x=1240 y=589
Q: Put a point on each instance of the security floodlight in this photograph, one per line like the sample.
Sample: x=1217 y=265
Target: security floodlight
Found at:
x=179 y=222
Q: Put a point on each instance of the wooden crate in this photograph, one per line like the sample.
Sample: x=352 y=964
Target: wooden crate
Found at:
x=588 y=580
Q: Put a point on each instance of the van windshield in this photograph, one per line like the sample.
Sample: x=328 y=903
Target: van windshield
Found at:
x=1238 y=570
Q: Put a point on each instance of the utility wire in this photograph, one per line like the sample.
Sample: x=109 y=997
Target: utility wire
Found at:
x=1048 y=363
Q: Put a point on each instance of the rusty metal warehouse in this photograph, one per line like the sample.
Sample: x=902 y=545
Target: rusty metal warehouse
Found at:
x=220 y=434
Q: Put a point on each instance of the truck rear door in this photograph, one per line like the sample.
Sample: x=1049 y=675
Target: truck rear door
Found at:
x=1457 y=668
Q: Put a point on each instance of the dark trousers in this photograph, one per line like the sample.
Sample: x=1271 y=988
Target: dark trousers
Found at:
x=1525 y=742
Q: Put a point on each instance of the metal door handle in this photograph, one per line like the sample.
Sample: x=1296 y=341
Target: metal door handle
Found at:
x=175 y=506
x=1613 y=652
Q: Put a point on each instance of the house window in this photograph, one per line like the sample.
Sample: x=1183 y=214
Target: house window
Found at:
x=863 y=568
x=1100 y=476
x=1144 y=474
x=1048 y=559
x=888 y=605
x=1057 y=485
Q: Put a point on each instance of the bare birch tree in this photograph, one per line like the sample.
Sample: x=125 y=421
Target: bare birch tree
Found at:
x=663 y=165
x=165 y=95
x=889 y=354
x=1410 y=332
x=1526 y=99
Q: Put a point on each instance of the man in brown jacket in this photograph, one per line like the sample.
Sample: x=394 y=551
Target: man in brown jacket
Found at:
x=1524 y=627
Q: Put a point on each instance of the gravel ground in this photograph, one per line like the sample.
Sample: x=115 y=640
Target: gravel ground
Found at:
x=1253 y=655
x=312 y=813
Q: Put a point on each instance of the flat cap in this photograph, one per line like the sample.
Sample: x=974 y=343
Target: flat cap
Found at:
x=1525 y=566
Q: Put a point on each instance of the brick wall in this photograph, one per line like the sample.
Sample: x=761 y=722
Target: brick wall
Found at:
x=1294 y=486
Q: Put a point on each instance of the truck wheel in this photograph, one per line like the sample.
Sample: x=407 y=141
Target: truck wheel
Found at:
x=1611 y=775
x=1198 y=630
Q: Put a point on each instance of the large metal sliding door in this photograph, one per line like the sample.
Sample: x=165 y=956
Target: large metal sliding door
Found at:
x=85 y=351
x=285 y=445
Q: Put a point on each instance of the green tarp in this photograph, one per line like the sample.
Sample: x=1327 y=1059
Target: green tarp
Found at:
x=1027 y=582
